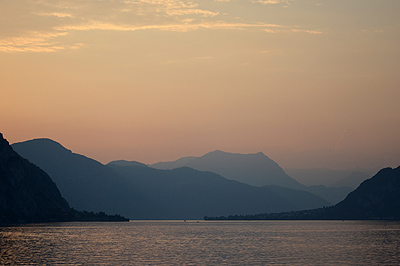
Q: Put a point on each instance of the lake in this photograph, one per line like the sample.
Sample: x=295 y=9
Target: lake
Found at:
x=202 y=243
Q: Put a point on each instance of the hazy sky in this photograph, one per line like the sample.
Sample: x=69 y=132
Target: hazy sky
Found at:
x=311 y=83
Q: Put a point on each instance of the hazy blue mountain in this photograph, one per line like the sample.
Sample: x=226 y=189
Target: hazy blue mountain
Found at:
x=253 y=169
x=328 y=177
x=186 y=193
x=376 y=198
x=331 y=194
x=300 y=197
x=27 y=193
x=354 y=179
x=127 y=163
x=141 y=192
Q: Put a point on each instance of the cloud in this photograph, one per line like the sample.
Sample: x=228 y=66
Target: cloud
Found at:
x=56 y=14
x=292 y=30
x=48 y=23
x=34 y=42
x=184 y=27
x=307 y=31
x=269 y=2
x=272 y=2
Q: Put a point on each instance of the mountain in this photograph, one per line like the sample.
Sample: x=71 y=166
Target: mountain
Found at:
x=140 y=192
x=329 y=177
x=376 y=198
x=27 y=193
x=253 y=169
x=85 y=183
x=354 y=179
x=127 y=163
x=186 y=193
x=331 y=194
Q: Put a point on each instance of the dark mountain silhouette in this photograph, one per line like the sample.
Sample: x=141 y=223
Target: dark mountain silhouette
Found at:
x=376 y=198
x=253 y=169
x=27 y=194
x=85 y=183
x=354 y=179
x=141 y=192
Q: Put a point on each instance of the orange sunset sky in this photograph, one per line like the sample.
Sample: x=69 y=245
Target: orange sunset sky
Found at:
x=311 y=83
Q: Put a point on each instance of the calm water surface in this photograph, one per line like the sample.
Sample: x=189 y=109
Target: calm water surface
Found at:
x=202 y=243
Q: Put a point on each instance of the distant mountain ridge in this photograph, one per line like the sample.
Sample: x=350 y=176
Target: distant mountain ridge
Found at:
x=127 y=163
x=184 y=193
x=253 y=169
x=376 y=198
x=140 y=192
x=329 y=177
x=354 y=179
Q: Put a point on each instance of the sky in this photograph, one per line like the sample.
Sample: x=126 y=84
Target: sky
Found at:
x=311 y=83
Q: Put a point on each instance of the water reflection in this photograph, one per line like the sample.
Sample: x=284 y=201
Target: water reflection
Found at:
x=210 y=243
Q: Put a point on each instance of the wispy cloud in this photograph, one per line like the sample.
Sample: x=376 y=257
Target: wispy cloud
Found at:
x=307 y=31
x=273 y=2
x=292 y=30
x=56 y=14
x=216 y=25
x=34 y=42
x=53 y=21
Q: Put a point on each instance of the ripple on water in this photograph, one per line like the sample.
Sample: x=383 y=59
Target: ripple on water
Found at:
x=203 y=243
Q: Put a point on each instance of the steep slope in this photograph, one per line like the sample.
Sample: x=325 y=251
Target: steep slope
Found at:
x=85 y=183
x=253 y=169
x=378 y=197
x=27 y=194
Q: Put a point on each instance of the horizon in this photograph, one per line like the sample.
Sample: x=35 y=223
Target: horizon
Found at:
x=311 y=84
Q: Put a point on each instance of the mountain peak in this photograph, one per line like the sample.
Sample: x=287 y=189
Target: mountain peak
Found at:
x=43 y=143
x=127 y=163
x=220 y=152
x=3 y=142
x=255 y=169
